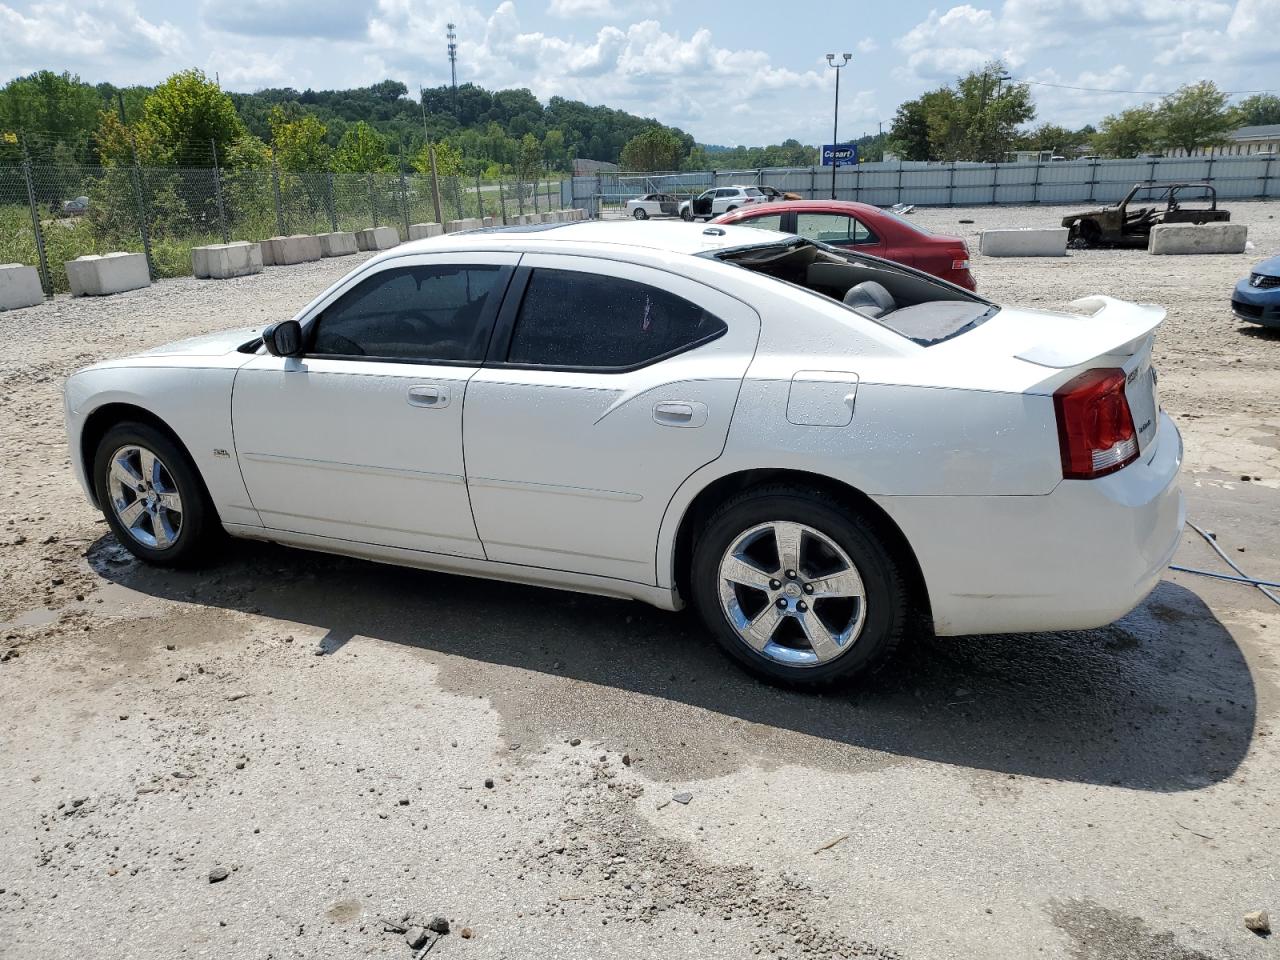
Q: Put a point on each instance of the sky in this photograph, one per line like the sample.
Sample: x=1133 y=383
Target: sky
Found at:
x=743 y=73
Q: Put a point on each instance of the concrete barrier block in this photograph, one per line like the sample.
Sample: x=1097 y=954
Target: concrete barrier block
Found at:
x=490 y=222
x=1046 y=242
x=1184 y=238
x=466 y=223
x=377 y=238
x=548 y=218
x=94 y=276
x=19 y=286
x=337 y=244
x=222 y=261
x=299 y=248
x=265 y=250
x=424 y=231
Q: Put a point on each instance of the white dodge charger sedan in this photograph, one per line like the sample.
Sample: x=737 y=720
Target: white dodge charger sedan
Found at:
x=815 y=448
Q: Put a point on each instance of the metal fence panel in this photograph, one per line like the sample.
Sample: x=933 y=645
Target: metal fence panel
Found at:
x=955 y=184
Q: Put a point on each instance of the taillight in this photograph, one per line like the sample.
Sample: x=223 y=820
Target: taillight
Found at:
x=1095 y=426
x=959 y=264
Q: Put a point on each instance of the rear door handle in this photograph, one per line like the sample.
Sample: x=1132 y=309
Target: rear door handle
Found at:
x=680 y=413
x=432 y=395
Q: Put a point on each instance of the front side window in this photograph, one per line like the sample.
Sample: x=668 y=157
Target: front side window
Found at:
x=833 y=228
x=770 y=221
x=587 y=320
x=425 y=313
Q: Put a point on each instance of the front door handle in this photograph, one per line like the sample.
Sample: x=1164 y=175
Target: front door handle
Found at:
x=680 y=413
x=432 y=395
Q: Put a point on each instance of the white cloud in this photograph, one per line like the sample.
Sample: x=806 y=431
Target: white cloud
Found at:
x=867 y=45
x=963 y=37
x=607 y=9
x=1248 y=38
x=684 y=80
x=332 y=19
x=83 y=35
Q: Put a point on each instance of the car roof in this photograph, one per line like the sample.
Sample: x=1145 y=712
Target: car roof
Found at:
x=813 y=206
x=671 y=236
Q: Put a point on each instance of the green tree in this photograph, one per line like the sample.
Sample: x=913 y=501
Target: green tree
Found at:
x=1195 y=115
x=1051 y=137
x=299 y=141
x=48 y=109
x=449 y=161
x=909 y=132
x=1259 y=109
x=976 y=119
x=529 y=160
x=361 y=150
x=656 y=149
x=554 y=152
x=1128 y=133
x=184 y=116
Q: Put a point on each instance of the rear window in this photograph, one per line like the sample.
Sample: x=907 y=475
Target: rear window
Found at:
x=907 y=223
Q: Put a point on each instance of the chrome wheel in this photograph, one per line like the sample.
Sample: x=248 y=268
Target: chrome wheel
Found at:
x=792 y=594
x=144 y=497
x=640 y=214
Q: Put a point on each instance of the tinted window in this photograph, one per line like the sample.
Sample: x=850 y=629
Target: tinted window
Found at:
x=412 y=313
x=836 y=228
x=770 y=221
x=753 y=192
x=571 y=319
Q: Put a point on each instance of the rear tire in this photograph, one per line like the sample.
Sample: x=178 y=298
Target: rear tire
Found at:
x=640 y=214
x=153 y=497
x=731 y=209
x=822 y=613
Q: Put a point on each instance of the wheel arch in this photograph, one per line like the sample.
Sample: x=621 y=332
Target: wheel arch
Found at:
x=703 y=503
x=102 y=419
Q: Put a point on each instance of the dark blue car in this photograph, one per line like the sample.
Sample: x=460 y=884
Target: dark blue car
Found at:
x=1257 y=296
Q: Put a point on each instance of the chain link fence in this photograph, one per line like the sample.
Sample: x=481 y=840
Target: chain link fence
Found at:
x=52 y=214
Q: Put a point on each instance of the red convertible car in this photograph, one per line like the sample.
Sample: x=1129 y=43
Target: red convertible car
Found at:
x=866 y=229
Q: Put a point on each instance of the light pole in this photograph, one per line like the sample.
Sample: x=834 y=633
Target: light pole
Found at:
x=835 y=123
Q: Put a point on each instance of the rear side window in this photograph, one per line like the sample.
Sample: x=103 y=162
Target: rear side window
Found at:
x=427 y=313
x=770 y=221
x=590 y=321
x=834 y=228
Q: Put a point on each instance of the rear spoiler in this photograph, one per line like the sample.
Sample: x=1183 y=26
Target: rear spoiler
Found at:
x=1107 y=326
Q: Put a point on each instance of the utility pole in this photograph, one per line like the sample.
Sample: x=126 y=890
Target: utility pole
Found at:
x=835 y=124
x=453 y=64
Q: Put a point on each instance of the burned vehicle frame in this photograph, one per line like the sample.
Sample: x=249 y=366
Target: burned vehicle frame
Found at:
x=1126 y=225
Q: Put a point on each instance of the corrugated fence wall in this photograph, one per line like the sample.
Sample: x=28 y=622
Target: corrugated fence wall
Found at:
x=956 y=184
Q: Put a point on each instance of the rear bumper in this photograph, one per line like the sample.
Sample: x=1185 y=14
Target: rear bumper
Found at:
x=1080 y=557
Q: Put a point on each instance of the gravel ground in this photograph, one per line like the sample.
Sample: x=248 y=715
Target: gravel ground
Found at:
x=361 y=747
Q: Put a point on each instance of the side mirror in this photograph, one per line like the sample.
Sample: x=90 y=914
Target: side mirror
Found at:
x=283 y=339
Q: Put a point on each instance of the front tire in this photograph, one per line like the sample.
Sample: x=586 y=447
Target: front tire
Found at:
x=686 y=215
x=798 y=588
x=152 y=496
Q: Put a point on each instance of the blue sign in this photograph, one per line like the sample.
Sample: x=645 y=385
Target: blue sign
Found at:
x=840 y=155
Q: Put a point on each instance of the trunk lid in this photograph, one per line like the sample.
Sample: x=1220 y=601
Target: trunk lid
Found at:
x=1103 y=332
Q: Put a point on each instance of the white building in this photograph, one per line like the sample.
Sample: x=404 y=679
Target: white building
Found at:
x=1244 y=142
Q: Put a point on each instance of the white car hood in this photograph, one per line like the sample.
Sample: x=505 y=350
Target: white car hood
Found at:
x=209 y=345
